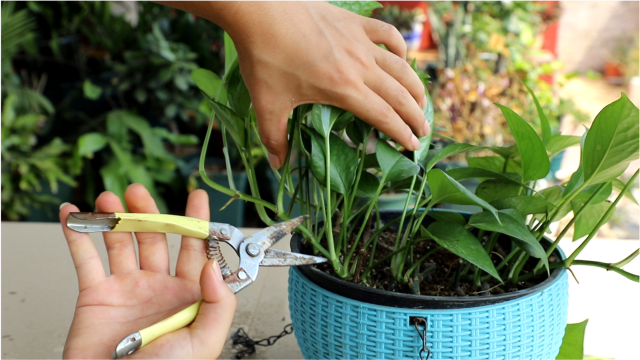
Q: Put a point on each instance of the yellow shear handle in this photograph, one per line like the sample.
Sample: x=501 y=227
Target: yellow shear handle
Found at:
x=132 y=222
x=171 y=324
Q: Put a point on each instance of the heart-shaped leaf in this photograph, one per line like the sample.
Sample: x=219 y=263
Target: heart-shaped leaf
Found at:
x=589 y=218
x=444 y=189
x=458 y=240
x=533 y=155
x=358 y=131
x=368 y=185
x=343 y=162
x=450 y=150
x=393 y=164
x=510 y=224
x=494 y=163
x=524 y=204
x=493 y=189
x=560 y=142
x=612 y=142
x=323 y=117
x=449 y=216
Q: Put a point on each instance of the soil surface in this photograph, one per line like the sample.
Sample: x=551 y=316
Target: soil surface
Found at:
x=438 y=271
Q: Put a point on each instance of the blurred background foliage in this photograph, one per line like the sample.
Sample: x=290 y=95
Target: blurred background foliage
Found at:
x=96 y=95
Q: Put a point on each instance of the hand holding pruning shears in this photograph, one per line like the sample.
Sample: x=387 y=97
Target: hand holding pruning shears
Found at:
x=125 y=308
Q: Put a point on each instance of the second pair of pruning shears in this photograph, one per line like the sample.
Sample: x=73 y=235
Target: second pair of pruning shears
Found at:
x=254 y=251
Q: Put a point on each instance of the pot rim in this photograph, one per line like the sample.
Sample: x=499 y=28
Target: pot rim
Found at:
x=411 y=301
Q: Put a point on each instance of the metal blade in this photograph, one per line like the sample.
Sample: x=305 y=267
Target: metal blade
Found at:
x=88 y=222
x=271 y=235
x=275 y=257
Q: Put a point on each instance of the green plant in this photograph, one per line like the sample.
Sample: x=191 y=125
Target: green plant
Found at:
x=28 y=161
x=402 y=19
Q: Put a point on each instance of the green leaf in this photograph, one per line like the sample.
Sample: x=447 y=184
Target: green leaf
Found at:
x=91 y=91
x=343 y=121
x=572 y=347
x=444 y=189
x=494 y=163
x=589 y=218
x=232 y=122
x=368 y=185
x=209 y=83
x=560 y=142
x=463 y=173
x=393 y=164
x=90 y=143
x=425 y=141
x=114 y=179
x=451 y=150
x=612 y=142
x=533 y=155
x=358 y=131
x=492 y=190
x=524 y=204
x=619 y=185
x=230 y=53
x=363 y=8
x=588 y=191
x=449 y=216
x=511 y=224
x=544 y=121
x=343 y=162
x=554 y=195
x=506 y=152
x=178 y=139
x=458 y=240
x=153 y=146
x=323 y=117
x=238 y=94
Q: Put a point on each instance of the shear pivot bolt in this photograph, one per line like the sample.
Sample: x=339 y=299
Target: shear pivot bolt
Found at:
x=242 y=275
x=253 y=250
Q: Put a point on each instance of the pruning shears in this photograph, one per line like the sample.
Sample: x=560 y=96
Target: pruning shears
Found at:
x=254 y=251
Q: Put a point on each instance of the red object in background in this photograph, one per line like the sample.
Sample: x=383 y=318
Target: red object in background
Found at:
x=427 y=41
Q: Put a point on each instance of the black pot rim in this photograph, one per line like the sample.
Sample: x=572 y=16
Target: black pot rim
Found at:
x=412 y=301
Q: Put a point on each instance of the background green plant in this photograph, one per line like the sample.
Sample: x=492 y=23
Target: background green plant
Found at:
x=28 y=163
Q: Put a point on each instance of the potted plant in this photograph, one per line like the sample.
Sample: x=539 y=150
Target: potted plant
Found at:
x=421 y=282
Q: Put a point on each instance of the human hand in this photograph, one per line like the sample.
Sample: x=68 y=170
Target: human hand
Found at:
x=134 y=297
x=292 y=53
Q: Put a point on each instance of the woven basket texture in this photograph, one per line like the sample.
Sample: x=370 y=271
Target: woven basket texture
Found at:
x=329 y=326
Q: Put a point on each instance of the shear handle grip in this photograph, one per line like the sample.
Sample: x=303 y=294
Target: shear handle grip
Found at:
x=170 y=324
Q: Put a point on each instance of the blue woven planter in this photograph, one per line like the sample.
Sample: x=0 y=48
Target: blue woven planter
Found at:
x=529 y=325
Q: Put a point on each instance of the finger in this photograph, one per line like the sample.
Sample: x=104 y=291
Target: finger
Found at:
x=193 y=253
x=380 y=32
x=152 y=247
x=400 y=70
x=83 y=252
x=371 y=108
x=120 y=248
x=216 y=312
x=272 y=127
x=399 y=98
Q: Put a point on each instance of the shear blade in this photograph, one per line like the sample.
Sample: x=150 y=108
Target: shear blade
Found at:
x=275 y=257
x=272 y=234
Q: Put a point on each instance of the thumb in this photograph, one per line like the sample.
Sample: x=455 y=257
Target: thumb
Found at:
x=272 y=126
x=211 y=326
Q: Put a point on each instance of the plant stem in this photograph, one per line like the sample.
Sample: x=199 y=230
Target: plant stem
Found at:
x=566 y=228
x=609 y=212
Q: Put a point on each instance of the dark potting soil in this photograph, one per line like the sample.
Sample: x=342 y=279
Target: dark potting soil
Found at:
x=440 y=281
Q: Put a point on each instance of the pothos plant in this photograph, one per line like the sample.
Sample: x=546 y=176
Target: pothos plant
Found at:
x=497 y=249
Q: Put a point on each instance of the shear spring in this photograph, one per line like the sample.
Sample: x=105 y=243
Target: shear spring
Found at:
x=214 y=252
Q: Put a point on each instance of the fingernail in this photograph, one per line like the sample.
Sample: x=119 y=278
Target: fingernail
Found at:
x=274 y=161
x=216 y=270
x=64 y=204
x=425 y=129
x=425 y=102
x=415 y=142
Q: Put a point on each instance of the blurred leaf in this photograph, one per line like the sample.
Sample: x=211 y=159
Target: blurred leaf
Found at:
x=493 y=189
x=572 y=347
x=589 y=218
x=91 y=91
x=558 y=143
x=238 y=94
x=524 y=204
x=364 y=8
x=90 y=143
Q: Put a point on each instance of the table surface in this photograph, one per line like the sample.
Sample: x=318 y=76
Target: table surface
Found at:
x=39 y=293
